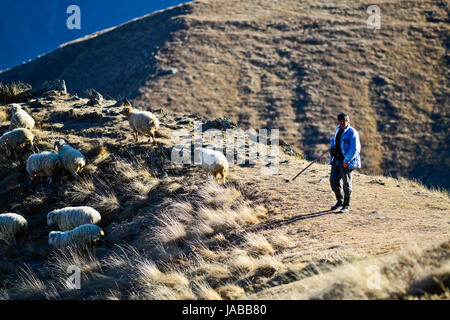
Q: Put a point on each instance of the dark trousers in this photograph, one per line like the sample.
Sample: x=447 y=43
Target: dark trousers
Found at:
x=338 y=173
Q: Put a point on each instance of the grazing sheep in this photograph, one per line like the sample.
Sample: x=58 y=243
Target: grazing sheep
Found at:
x=83 y=235
x=143 y=122
x=20 y=118
x=71 y=159
x=12 y=227
x=213 y=161
x=44 y=163
x=71 y=217
x=16 y=138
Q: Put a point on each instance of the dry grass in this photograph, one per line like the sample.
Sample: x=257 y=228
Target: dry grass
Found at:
x=157 y=285
x=84 y=259
x=231 y=292
x=134 y=176
x=240 y=263
x=106 y=202
x=410 y=274
x=213 y=209
x=169 y=230
x=28 y=286
x=257 y=245
x=204 y=291
x=80 y=190
x=4 y=116
x=13 y=92
x=267 y=266
x=279 y=241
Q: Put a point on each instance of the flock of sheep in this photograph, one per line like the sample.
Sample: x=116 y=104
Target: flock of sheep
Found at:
x=77 y=224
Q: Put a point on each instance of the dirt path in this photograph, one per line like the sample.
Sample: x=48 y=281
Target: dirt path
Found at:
x=386 y=214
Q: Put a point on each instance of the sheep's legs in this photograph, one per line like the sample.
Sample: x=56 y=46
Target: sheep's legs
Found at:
x=152 y=135
x=217 y=176
x=31 y=181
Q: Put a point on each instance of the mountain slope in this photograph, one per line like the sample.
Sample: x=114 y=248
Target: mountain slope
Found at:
x=291 y=65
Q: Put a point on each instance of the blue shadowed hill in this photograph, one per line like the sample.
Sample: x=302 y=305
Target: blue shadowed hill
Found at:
x=30 y=28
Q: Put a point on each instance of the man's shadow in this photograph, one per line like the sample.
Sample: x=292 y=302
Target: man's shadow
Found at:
x=278 y=223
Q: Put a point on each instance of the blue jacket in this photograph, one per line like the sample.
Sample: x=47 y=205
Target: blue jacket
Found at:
x=350 y=146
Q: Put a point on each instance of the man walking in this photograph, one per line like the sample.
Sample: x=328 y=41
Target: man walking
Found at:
x=345 y=148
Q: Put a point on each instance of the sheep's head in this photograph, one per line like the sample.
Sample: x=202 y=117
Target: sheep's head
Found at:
x=59 y=143
x=98 y=237
x=127 y=111
x=13 y=108
x=52 y=237
x=50 y=218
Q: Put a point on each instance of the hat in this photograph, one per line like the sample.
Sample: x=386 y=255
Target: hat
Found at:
x=343 y=116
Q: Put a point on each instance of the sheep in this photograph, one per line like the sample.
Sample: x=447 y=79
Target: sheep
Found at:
x=12 y=227
x=44 y=163
x=16 y=138
x=20 y=118
x=143 y=122
x=213 y=161
x=71 y=217
x=83 y=235
x=71 y=159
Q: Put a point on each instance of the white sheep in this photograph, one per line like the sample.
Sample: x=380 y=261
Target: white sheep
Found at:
x=83 y=235
x=213 y=161
x=143 y=122
x=44 y=164
x=16 y=138
x=12 y=226
x=20 y=118
x=71 y=159
x=71 y=217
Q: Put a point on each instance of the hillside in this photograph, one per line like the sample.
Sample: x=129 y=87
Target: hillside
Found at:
x=174 y=233
x=284 y=64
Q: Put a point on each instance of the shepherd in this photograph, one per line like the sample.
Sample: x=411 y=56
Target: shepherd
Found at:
x=344 y=150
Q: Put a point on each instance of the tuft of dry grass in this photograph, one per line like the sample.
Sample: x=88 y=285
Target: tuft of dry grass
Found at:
x=170 y=230
x=204 y=291
x=240 y=263
x=60 y=260
x=28 y=286
x=267 y=266
x=158 y=285
x=79 y=191
x=231 y=292
x=106 y=202
x=213 y=209
x=257 y=245
x=4 y=116
x=279 y=241
x=13 y=92
x=134 y=176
